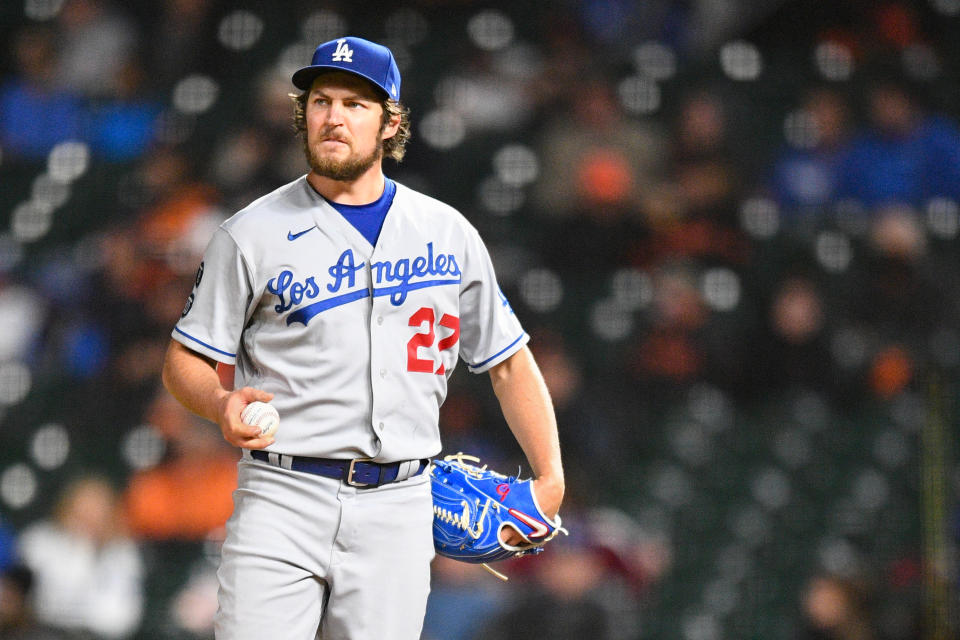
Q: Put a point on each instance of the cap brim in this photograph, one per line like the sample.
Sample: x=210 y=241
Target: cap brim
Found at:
x=303 y=78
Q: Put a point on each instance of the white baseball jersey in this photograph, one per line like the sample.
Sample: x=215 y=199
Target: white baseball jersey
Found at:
x=356 y=342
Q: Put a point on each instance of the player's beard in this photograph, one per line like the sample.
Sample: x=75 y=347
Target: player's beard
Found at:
x=344 y=170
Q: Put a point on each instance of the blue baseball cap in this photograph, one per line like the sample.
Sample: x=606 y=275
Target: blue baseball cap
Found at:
x=357 y=56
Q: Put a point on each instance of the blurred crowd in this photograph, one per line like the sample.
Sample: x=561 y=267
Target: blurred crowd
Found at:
x=731 y=229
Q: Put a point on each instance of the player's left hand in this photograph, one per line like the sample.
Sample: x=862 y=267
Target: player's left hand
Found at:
x=477 y=511
x=549 y=494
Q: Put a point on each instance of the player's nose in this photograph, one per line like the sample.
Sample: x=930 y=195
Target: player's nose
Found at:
x=335 y=113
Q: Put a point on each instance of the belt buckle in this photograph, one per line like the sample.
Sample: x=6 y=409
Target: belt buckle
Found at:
x=350 y=471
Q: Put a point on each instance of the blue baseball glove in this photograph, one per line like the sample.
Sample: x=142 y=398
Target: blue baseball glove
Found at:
x=472 y=505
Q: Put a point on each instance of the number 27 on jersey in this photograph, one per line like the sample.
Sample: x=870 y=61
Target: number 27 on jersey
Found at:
x=428 y=328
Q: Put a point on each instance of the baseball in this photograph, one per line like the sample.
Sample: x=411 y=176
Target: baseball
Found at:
x=263 y=415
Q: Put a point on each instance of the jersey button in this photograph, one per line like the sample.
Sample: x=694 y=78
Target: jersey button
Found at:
x=383 y=373
x=379 y=319
x=381 y=426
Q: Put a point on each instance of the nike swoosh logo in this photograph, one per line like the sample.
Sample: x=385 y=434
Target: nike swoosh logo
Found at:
x=293 y=236
x=539 y=529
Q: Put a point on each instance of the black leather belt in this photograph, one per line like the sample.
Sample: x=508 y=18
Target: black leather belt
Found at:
x=358 y=472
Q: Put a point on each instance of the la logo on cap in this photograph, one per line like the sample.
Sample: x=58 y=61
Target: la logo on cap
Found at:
x=343 y=53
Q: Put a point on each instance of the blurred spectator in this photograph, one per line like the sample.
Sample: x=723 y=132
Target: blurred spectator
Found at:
x=89 y=573
x=243 y=161
x=598 y=167
x=596 y=162
x=262 y=153
x=693 y=212
x=181 y=213
x=637 y=556
x=145 y=271
x=123 y=121
x=17 y=619
x=905 y=156
x=36 y=112
x=586 y=585
x=463 y=598
x=566 y=60
x=489 y=90
x=704 y=167
x=693 y=28
x=563 y=603
x=670 y=350
x=583 y=416
x=463 y=421
x=189 y=494
x=804 y=177
x=97 y=40
x=836 y=609
x=608 y=22
x=791 y=351
x=898 y=297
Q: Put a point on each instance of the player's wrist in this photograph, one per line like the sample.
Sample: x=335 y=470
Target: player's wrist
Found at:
x=549 y=490
x=221 y=399
x=553 y=483
x=551 y=477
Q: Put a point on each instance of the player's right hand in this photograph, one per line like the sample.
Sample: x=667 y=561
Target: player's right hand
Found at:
x=236 y=431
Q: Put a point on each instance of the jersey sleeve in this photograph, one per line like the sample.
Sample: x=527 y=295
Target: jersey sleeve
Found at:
x=489 y=330
x=215 y=313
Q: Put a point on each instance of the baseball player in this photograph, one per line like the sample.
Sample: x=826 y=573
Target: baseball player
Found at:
x=346 y=299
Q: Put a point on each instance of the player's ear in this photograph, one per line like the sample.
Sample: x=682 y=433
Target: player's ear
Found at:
x=390 y=127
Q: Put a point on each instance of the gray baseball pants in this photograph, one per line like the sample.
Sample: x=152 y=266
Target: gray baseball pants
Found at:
x=307 y=556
